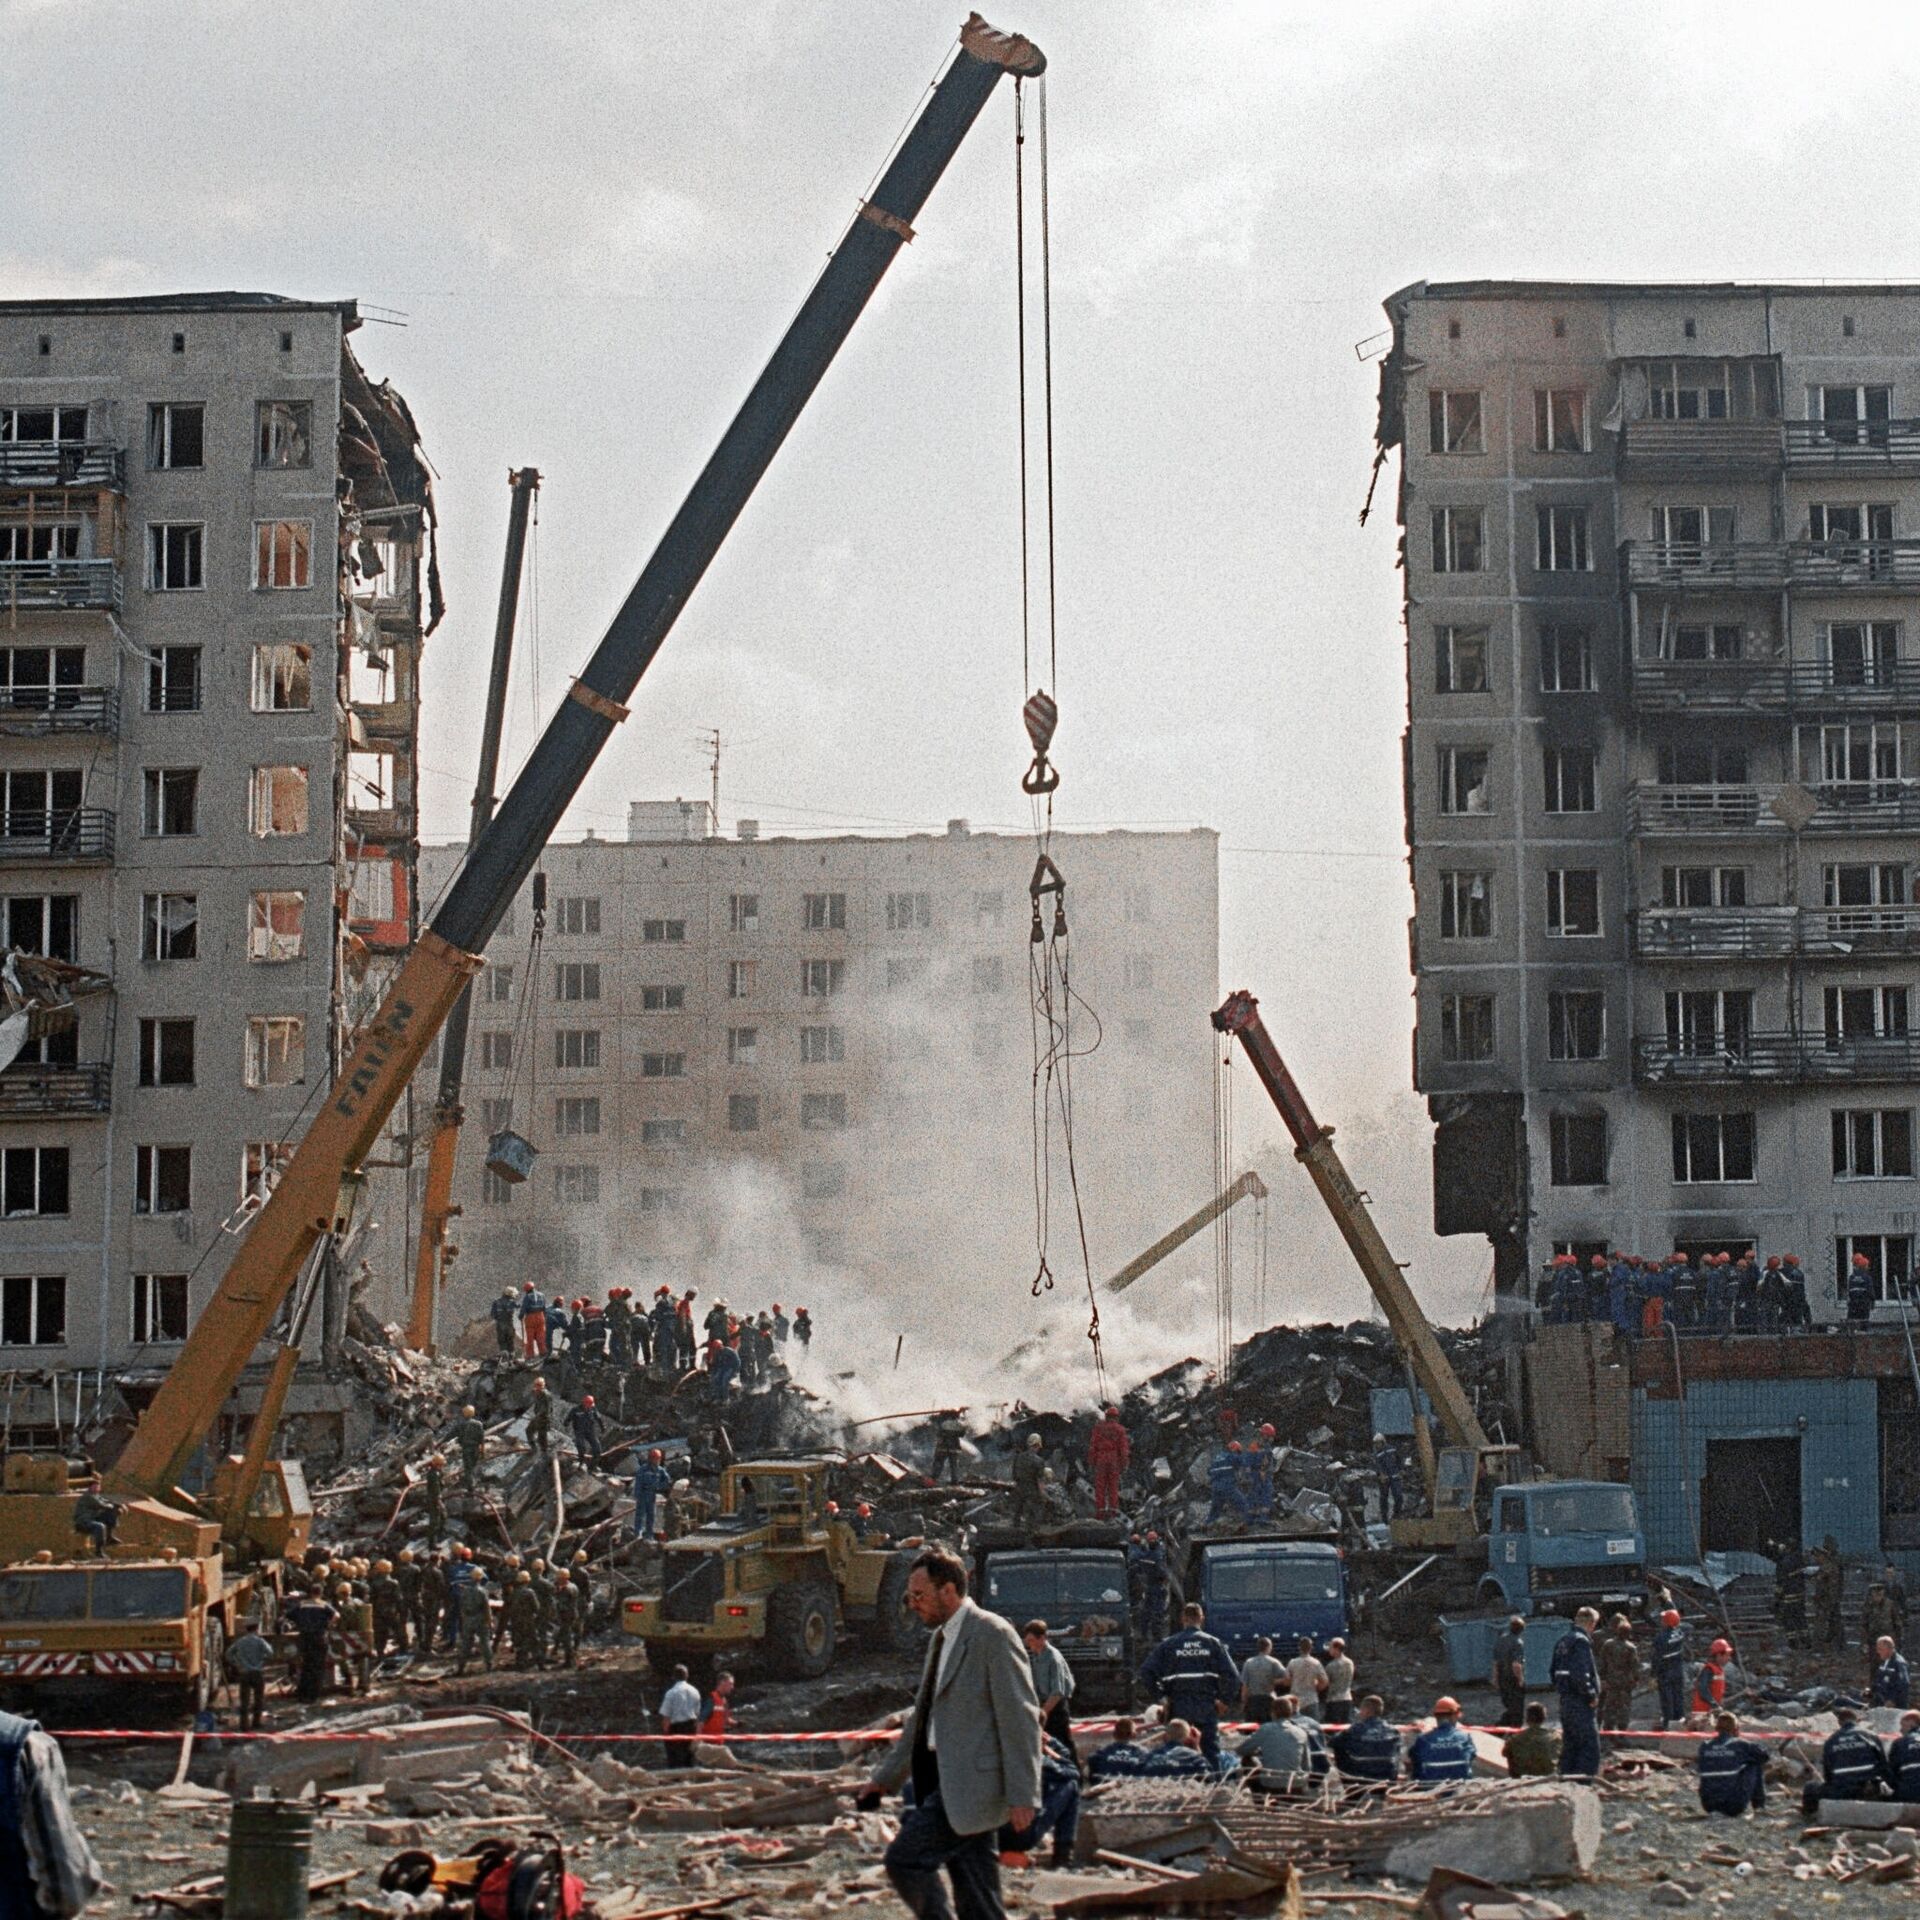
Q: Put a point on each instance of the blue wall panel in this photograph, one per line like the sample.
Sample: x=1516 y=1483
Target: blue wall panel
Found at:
x=1838 y=1425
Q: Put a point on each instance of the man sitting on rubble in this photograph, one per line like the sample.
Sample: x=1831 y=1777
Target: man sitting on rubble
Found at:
x=1535 y=1749
x=1177 y=1756
x=1733 y=1771
x=1853 y=1766
x=1057 y=1816
x=1287 y=1752
x=1445 y=1753
x=1121 y=1757
x=1368 y=1749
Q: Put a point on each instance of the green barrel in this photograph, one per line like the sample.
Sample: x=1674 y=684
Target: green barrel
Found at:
x=269 y=1852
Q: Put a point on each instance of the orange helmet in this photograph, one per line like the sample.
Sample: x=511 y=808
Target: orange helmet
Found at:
x=1445 y=1704
x=1720 y=1650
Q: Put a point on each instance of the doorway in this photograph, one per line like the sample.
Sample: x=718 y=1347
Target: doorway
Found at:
x=1750 y=1497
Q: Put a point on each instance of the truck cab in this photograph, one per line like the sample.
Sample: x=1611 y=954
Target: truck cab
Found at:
x=1081 y=1593
x=1558 y=1545
x=1282 y=1588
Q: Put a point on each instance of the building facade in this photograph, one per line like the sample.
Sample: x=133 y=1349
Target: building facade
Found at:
x=215 y=579
x=1661 y=548
x=758 y=1063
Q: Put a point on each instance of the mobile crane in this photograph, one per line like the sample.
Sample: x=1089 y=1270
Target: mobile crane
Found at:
x=313 y=1198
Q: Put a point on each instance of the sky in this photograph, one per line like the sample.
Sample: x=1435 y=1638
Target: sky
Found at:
x=589 y=223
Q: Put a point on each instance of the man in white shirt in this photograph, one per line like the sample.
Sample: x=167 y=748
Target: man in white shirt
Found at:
x=680 y=1718
x=1307 y=1678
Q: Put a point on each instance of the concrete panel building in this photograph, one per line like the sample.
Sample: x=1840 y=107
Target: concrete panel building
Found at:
x=1662 y=558
x=215 y=577
x=760 y=1066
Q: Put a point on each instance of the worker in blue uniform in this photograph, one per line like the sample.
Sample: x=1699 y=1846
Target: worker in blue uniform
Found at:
x=1892 y=1682
x=1903 y=1760
x=1368 y=1747
x=1445 y=1752
x=1853 y=1766
x=1196 y=1674
x=1670 y=1667
x=1576 y=1677
x=1224 y=1483
x=1733 y=1771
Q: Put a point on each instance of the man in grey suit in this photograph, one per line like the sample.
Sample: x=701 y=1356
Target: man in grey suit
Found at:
x=971 y=1747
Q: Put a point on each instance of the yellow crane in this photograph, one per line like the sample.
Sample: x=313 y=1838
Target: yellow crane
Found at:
x=1248 y=1187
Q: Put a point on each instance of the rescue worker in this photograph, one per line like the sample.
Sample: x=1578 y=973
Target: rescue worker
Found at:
x=1903 y=1760
x=1535 y=1749
x=666 y=1334
x=1510 y=1671
x=356 y=1637
x=1892 y=1683
x=862 y=1520
x=476 y=1622
x=1799 y=1307
x=436 y=1498
x=1056 y=1817
x=782 y=1326
x=948 y=1431
x=1576 y=1676
x=1670 y=1667
x=1336 y=1708
x=803 y=1327
x=723 y=1371
x=1259 y=1471
x=505 y=1310
x=1710 y=1680
x=406 y=1580
x=533 y=1321
x=460 y=1569
x=429 y=1603
x=581 y=1573
x=1122 y=1757
x=640 y=1330
x=1154 y=1587
x=98 y=1518
x=540 y=1418
x=470 y=1436
x=1619 y=1662
x=1386 y=1464
x=1197 y=1675
x=568 y=1621
x=543 y=1594
x=1223 y=1484
x=1877 y=1617
x=389 y=1609
x=683 y=1329
x=584 y=1424
x=523 y=1622
x=1028 y=1466
x=650 y=1480
x=1853 y=1766
x=1860 y=1290
x=313 y=1622
x=1369 y=1748
x=718 y=1325
x=1052 y=1680
x=556 y=1328
x=1733 y=1771
x=247 y=1660
x=1445 y=1753
x=1829 y=1586
x=1109 y=1449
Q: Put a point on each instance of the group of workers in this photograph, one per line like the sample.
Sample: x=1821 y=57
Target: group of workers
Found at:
x=1715 y=1293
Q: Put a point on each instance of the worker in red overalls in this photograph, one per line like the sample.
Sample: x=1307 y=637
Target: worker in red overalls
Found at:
x=1108 y=1451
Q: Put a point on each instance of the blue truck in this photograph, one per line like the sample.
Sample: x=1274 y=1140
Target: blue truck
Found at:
x=1554 y=1546
x=1282 y=1586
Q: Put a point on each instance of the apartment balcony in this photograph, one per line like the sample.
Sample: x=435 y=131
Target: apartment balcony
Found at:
x=68 y=836
x=41 y=1093
x=1693 y=812
x=1853 y=446
x=1713 y=933
x=1848 y=933
x=1699 y=811
x=30 y=711
x=1782 y=1059
x=1765 y=566
x=1865 y=806
x=1772 y=686
x=80 y=464
x=1701 y=446
x=59 y=586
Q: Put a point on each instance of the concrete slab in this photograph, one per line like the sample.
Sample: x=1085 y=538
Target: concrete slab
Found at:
x=1545 y=1832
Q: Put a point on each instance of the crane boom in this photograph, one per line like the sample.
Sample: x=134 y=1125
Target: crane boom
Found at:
x=436 y=1208
x=1239 y=1016
x=1249 y=1185
x=306 y=1202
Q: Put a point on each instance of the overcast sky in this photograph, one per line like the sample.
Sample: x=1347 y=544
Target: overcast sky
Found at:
x=595 y=220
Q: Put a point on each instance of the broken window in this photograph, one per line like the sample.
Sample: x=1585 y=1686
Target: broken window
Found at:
x=39 y=803
x=170 y=802
x=173 y=680
x=1566 y=660
x=1453 y=422
x=577 y=1049
x=496 y=1051
x=822 y=979
x=166 y=1053
x=1559 y=420
x=1464 y=786
x=576 y=914
x=18 y=424
x=577 y=1186
x=1466 y=1026
x=282 y=677
x=162 y=1179
x=40 y=542
x=1459 y=540
x=743 y=1113
x=282 y=553
x=1702 y=761
x=1576 y=1024
x=41 y=679
x=824 y=912
x=821 y=1046
x=743 y=912
x=1858 y=752
x=1466 y=904
x=277 y=802
x=498 y=987
x=1460 y=659
x=283 y=435
x=576 y=1115
x=823 y=1111
x=1568 y=774
x=1577 y=1149
x=33 y=1310
x=276 y=926
x=1710 y=1023
x=1573 y=902
x=174 y=557
x=43 y=923
x=1872 y=1143
x=662 y=999
x=909 y=912
x=261 y=1164
x=1710 y=1147
x=743 y=1046
x=34 y=1182
x=159 y=1308
x=663 y=1133
x=170 y=926
x=739 y=979
x=654 y=931
x=663 y=1066
x=576 y=980
x=276 y=1050
x=1861 y=653
x=989 y=973
x=371 y=896
x=1562 y=543
x=176 y=434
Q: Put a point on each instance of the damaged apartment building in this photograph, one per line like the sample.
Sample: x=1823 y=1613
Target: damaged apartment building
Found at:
x=216 y=573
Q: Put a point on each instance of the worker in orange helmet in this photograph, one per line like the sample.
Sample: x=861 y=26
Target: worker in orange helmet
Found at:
x=1710 y=1683
x=1109 y=1449
x=651 y=1481
x=1860 y=1290
x=584 y=1424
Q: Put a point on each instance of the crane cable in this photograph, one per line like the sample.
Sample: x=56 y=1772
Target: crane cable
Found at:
x=1051 y=992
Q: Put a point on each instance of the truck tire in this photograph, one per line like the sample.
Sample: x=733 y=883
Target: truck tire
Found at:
x=800 y=1631
x=894 y=1629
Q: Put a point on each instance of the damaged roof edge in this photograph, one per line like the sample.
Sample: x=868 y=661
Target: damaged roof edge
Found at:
x=348 y=310
x=1641 y=289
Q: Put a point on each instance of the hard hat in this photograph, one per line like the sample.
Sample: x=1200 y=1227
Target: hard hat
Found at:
x=1233 y=1446
x=1670 y=1618
x=586 y=1399
x=580 y=1556
x=1033 y=1439
x=1446 y=1704
x=526 y=1286
x=654 y=1453
x=1792 y=1259
x=1861 y=1260
x=523 y=1580
x=539 y=1565
x=406 y=1556
x=1266 y=1427
x=540 y=1383
x=1598 y=1260
x=1773 y=1263
x=1720 y=1650
x=863 y=1510
x=466 y=1413
x=1379 y=1439
x=1112 y=1412
x=512 y=1560
x=463 y=1551
x=776 y=1306
x=1152 y=1537
x=833 y=1506
x=563 y=1578
x=383 y=1566
x=343 y=1591
x=438 y=1460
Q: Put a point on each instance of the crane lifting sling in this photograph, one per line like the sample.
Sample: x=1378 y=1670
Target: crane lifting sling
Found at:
x=307 y=1201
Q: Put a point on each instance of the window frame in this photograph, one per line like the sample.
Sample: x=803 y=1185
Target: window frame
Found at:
x=1456 y=892
x=282 y=547
x=1448 y=438
x=1464 y=1018
x=1556 y=923
x=160 y=557
x=1449 y=523
x=1446 y=658
x=1567 y=526
x=155 y=1302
